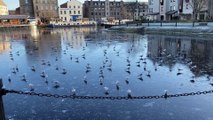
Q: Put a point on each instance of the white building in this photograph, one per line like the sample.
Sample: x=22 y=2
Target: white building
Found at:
x=71 y=11
x=154 y=10
x=186 y=10
x=3 y=8
x=170 y=9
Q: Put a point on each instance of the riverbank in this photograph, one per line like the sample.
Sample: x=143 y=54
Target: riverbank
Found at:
x=181 y=30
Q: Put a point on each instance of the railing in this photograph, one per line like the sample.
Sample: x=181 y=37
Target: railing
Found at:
x=170 y=23
x=74 y=96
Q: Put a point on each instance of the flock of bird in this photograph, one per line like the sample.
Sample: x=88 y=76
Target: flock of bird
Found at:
x=107 y=64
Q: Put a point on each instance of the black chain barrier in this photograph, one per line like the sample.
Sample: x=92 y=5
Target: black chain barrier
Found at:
x=128 y=97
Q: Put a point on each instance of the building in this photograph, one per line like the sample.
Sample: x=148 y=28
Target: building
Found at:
x=173 y=9
x=3 y=8
x=210 y=9
x=26 y=7
x=102 y=10
x=43 y=10
x=186 y=11
x=71 y=11
x=142 y=10
x=154 y=10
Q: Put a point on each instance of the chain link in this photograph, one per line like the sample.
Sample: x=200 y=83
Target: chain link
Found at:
x=165 y=96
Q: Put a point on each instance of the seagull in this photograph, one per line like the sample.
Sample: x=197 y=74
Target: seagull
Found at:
x=17 y=69
x=56 y=84
x=77 y=61
x=48 y=63
x=179 y=73
x=140 y=77
x=9 y=79
x=73 y=91
x=57 y=67
x=43 y=74
x=127 y=80
x=117 y=85
x=101 y=81
x=14 y=71
x=46 y=81
x=85 y=79
x=24 y=78
x=31 y=86
x=106 y=90
x=148 y=74
x=129 y=93
x=33 y=68
x=64 y=72
x=83 y=56
x=193 y=79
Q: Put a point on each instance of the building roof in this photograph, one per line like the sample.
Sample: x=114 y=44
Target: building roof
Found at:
x=64 y=5
x=171 y=12
x=2 y=3
x=10 y=17
x=156 y=13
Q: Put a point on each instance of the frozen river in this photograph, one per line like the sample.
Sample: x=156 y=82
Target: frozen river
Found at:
x=90 y=60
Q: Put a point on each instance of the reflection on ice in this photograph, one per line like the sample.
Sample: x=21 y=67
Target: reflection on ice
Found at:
x=91 y=61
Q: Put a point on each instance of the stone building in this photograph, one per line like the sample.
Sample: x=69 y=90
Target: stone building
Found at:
x=210 y=9
x=71 y=11
x=44 y=10
x=136 y=10
x=3 y=8
x=26 y=7
x=99 y=10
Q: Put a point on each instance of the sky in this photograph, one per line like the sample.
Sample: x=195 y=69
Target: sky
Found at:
x=12 y=4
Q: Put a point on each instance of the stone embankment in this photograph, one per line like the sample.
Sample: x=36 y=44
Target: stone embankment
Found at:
x=167 y=29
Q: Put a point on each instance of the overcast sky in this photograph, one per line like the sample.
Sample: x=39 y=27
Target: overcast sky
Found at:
x=12 y=4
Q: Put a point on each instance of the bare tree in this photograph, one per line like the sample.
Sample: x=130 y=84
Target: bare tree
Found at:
x=197 y=7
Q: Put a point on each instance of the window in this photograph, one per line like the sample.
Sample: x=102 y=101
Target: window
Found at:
x=61 y=12
x=187 y=6
x=170 y=7
x=65 y=18
x=65 y=12
x=79 y=12
x=70 y=12
x=74 y=12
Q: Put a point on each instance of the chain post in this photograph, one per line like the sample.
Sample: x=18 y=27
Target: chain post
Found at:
x=2 y=114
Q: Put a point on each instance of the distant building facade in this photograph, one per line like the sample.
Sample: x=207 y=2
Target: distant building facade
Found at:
x=3 y=8
x=97 y=10
x=71 y=11
x=45 y=10
x=26 y=7
x=178 y=9
x=136 y=10
x=210 y=9
x=154 y=10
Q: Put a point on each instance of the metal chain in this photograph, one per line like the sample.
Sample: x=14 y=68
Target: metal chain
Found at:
x=129 y=97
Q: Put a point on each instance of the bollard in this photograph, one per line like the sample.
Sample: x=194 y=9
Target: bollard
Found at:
x=2 y=115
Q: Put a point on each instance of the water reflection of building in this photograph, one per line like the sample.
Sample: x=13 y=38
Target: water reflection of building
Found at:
x=4 y=46
x=76 y=36
x=197 y=51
